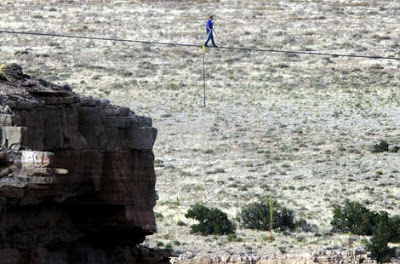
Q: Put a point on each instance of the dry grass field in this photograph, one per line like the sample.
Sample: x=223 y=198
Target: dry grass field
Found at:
x=298 y=128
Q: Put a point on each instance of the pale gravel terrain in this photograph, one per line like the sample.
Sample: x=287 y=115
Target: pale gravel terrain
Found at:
x=295 y=127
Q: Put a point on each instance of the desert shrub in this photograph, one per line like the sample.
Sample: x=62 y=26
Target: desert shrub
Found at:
x=169 y=247
x=383 y=146
x=384 y=233
x=211 y=221
x=181 y=223
x=158 y=215
x=396 y=149
x=257 y=216
x=160 y=244
x=355 y=218
x=394 y=224
x=234 y=238
x=303 y=225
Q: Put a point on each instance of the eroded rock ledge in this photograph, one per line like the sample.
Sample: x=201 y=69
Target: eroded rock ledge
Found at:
x=321 y=257
x=77 y=180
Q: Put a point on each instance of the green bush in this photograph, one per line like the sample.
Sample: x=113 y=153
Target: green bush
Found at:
x=257 y=216
x=306 y=227
x=211 y=221
x=383 y=146
x=355 y=218
x=378 y=244
x=169 y=246
x=394 y=224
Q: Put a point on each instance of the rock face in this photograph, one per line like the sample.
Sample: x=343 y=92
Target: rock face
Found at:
x=77 y=180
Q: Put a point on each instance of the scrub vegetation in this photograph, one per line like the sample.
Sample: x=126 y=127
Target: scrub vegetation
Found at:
x=257 y=216
x=355 y=218
x=304 y=130
x=212 y=221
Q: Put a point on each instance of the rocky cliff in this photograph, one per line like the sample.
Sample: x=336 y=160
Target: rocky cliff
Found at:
x=77 y=180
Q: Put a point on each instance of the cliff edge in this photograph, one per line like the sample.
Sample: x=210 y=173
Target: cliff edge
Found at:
x=77 y=180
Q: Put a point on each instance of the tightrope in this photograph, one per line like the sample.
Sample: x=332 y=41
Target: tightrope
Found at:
x=98 y=38
x=312 y=53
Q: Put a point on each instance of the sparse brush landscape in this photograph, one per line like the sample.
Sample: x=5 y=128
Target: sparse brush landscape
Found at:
x=309 y=131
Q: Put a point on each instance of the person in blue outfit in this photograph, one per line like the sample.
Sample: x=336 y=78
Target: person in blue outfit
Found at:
x=209 y=30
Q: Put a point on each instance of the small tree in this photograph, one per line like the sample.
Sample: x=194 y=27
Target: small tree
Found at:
x=378 y=244
x=355 y=218
x=211 y=221
x=257 y=216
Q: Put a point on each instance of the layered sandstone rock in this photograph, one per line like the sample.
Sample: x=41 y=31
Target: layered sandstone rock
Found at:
x=77 y=180
x=321 y=257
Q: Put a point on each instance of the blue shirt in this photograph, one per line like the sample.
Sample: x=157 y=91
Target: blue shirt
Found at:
x=209 y=25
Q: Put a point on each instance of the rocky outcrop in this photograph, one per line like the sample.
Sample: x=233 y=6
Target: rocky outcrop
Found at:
x=77 y=180
x=321 y=257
